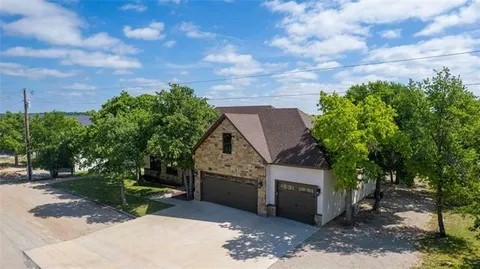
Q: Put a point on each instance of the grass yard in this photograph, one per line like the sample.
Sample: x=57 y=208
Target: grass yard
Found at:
x=108 y=192
x=461 y=249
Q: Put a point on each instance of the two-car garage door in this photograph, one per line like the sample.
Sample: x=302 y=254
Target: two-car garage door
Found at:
x=230 y=191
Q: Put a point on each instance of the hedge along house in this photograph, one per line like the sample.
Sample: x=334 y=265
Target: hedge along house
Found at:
x=263 y=160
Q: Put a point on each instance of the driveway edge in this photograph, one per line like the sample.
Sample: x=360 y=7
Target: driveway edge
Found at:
x=29 y=262
x=131 y=216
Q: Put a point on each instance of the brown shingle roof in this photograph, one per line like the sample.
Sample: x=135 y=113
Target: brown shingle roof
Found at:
x=286 y=132
x=251 y=128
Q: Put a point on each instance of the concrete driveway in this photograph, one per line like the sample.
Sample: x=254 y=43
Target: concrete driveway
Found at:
x=34 y=215
x=384 y=240
x=189 y=235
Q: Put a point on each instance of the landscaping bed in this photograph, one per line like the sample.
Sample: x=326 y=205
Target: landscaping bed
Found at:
x=108 y=192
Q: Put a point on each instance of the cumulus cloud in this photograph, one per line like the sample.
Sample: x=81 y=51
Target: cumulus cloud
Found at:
x=134 y=6
x=391 y=34
x=76 y=57
x=18 y=70
x=237 y=64
x=154 y=31
x=466 y=15
x=193 y=31
x=319 y=30
x=37 y=19
x=466 y=65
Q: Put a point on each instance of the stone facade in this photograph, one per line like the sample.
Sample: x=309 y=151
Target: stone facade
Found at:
x=243 y=162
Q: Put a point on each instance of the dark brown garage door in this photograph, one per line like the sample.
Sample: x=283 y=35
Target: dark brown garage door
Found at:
x=230 y=191
x=296 y=201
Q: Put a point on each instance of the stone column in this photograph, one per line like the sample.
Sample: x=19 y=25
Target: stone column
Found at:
x=198 y=186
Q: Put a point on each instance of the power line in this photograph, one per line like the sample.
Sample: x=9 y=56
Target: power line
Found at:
x=295 y=71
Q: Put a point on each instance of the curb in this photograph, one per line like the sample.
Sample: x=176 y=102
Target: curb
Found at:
x=29 y=263
x=131 y=216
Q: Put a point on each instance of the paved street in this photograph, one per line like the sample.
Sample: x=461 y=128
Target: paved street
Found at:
x=34 y=215
x=189 y=235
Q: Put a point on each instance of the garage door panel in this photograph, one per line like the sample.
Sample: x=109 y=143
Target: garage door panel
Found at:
x=222 y=190
x=296 y=201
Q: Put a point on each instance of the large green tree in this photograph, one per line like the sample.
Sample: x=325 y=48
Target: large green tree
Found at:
x=181 y=119
x=448 y=140
x=396 y=156
x=12 y=134
x=118 y=137
x=55 y=140
x=352 y=133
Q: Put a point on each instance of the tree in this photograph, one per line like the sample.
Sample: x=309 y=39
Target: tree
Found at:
x=448 y=139
x=118 y=137
x=55 y=141
x=351 y=133
x=11 y=134
x=408 y=103
x=181 y=119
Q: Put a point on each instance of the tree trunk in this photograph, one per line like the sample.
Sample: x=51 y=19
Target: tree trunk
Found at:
x=391 y=176
x=16 y=160
x=439 y=205
x=123 y=197
x=349 y=206
x=378 y=189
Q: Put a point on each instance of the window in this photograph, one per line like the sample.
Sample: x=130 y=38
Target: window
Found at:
x=155 y=163
x=227 y=143
x=171 y=170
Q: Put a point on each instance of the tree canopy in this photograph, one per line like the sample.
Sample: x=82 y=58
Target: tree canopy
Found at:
x=12 y=134
x=55 y=140
x=352 y=134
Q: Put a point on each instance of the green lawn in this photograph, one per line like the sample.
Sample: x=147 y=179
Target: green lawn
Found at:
x=108 y=192
x=461 y=249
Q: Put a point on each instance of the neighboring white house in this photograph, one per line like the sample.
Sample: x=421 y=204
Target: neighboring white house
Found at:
x=264 y=160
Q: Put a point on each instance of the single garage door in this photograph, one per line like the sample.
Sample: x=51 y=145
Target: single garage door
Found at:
x=296 y=201
x=230 y=191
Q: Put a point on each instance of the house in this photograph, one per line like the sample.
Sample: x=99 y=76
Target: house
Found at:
x=161 y=171
x=264 y=160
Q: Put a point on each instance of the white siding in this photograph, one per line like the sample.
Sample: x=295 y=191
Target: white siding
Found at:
x=364 y=189
x=333 y=200
x=293 y=174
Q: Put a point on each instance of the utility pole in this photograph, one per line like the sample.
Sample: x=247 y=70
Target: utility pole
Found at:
x=27 y=135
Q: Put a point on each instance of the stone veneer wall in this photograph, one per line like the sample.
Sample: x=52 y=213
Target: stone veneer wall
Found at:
x=243 y=162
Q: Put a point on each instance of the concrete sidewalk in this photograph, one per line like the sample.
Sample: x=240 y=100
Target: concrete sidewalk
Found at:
x=189 y=235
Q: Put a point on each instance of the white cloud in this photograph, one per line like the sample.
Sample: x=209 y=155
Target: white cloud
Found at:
x=55 y=25
x=154 y=31
x=170 y=43
x=193 y=31
x=76 y=57
x=176 y=2
x=238 y=64
x=80 y=86
x=391 y=34
x=141 y=85
x=467 y=65
x=134 y=6
x=222 y=87
x=322 y=30
x=465 y=15
x=18 y=70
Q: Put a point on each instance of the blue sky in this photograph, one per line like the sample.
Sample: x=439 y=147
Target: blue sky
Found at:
x=74 y=55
